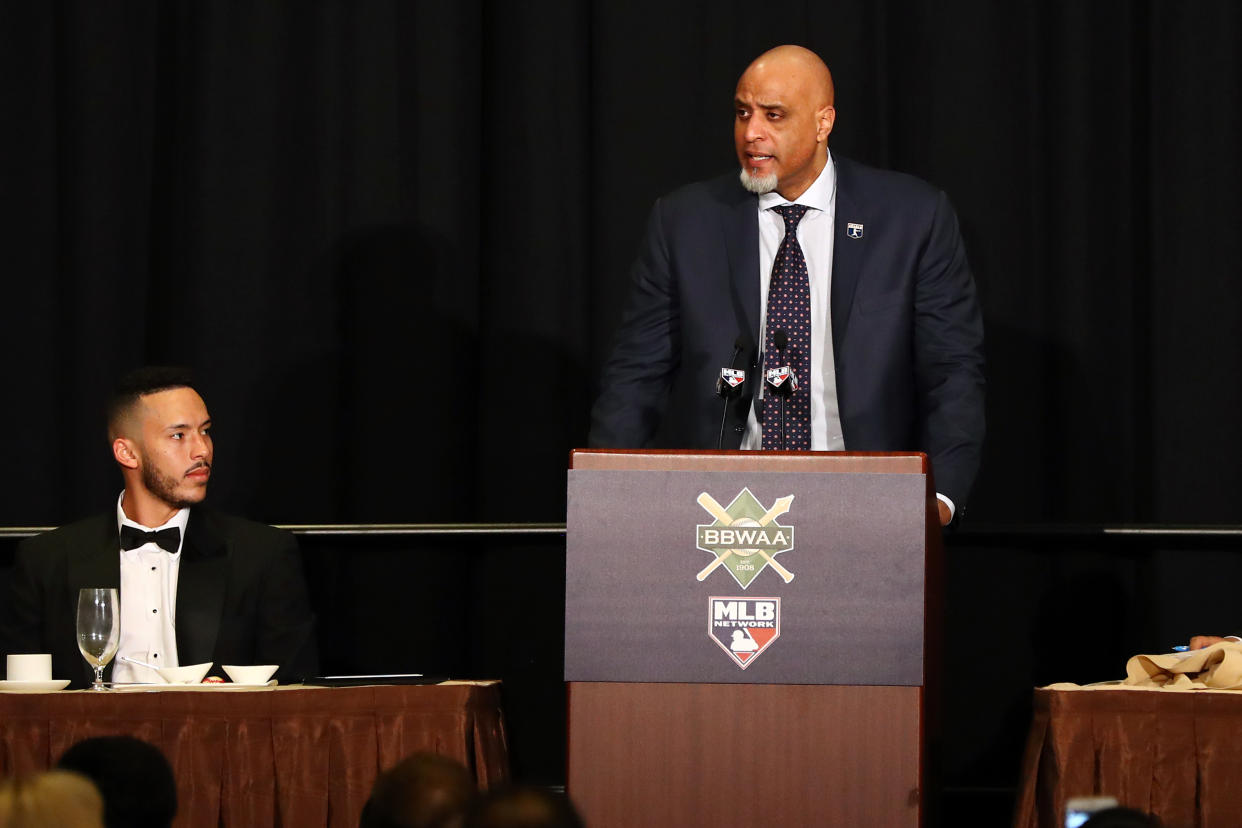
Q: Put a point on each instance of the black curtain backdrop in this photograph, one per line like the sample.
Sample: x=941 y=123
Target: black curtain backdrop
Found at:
x=393 y=239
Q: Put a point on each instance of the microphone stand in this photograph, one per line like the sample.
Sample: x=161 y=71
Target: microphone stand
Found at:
x=724 y=415
x=781 y=339
x=727 y=391
x=780 y=380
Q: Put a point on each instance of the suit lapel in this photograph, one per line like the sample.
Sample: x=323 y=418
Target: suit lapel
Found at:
x=98 y=566
x=200 y=589
x=847 y=253
x=741 y=230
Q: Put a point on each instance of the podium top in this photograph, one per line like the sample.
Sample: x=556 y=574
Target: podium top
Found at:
x=875 y=462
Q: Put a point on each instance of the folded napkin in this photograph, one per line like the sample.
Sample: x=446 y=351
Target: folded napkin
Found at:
x=1218 y=667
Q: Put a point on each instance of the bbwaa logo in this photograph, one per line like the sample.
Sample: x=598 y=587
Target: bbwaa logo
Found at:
x=745 y=537
x=744 y=627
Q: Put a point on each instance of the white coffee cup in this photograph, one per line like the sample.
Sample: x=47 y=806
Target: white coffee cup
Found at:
x=30 y=667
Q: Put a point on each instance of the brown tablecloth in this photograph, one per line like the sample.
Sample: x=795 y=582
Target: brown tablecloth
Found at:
x=1177 y=755
x=281 y=756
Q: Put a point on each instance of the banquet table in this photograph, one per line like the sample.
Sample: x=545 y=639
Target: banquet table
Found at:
x=1176 y=755
x=271 y=756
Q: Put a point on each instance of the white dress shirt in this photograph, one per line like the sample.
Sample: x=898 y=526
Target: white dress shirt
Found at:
x=148 y=602
x=815 y=236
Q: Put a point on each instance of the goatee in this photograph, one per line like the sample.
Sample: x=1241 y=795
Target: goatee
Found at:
x=758 y=184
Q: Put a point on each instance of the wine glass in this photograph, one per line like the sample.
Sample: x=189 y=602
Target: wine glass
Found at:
x=99 y=629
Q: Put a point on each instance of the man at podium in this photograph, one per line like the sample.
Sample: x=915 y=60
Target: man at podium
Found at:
x=807 y=303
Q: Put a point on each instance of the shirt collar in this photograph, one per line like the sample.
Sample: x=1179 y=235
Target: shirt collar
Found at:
x=818 y=196
x=181 y=519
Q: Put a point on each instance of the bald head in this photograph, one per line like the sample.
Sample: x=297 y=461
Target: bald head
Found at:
x=801 y=67
x=783 y=114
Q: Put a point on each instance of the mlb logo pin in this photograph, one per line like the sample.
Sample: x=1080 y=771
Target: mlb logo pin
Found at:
x=854 y=231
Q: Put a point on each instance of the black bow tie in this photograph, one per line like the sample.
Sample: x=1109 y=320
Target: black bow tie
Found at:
x=167 y=539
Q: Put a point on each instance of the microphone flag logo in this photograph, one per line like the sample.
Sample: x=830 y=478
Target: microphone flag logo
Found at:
x=733 y=377
x=777 y=377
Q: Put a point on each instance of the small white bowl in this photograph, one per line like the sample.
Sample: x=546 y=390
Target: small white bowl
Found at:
x=189 y=674
x=255 y=674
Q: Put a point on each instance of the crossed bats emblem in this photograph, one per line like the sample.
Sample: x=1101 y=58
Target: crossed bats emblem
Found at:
x=780 y=507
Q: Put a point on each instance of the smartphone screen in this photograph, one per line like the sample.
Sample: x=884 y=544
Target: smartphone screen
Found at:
x=1080 y=808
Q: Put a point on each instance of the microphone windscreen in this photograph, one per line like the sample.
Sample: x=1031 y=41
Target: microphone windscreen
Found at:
x=780 y=339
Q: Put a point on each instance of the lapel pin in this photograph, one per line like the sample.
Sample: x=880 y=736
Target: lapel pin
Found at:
x=854 y=231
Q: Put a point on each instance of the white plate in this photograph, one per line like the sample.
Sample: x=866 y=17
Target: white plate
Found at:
x=33 y=686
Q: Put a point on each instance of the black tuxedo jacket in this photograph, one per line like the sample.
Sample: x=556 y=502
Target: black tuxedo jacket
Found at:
x=907 y=333
x=241 y=595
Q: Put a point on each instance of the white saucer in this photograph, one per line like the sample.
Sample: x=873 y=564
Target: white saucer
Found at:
x=33 y=686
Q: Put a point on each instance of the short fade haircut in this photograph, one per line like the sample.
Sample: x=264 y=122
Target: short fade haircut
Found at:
x=150 y=379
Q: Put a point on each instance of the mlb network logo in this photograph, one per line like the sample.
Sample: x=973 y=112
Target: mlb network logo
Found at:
x=744 y=627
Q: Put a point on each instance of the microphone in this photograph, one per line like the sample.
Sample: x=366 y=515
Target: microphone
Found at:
x=730 y=382
x=781 y=379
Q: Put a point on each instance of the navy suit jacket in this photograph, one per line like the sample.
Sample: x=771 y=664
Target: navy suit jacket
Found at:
x=241 y=595
x=907 y=333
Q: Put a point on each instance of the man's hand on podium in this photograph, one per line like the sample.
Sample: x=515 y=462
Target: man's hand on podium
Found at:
x=945 y=514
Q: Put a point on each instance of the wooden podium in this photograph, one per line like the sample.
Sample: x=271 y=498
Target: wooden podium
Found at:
x=748 y=637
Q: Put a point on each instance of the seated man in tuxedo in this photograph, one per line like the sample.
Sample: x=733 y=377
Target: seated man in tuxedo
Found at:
x=195 y=585
x=855 y=278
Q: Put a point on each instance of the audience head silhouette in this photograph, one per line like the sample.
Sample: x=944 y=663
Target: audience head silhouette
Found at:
x=134 y=777
x=523 y=806
x=56 y=799
x=424 y=790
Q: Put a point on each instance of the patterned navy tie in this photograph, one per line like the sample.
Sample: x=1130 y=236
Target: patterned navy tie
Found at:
x=789 y=310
